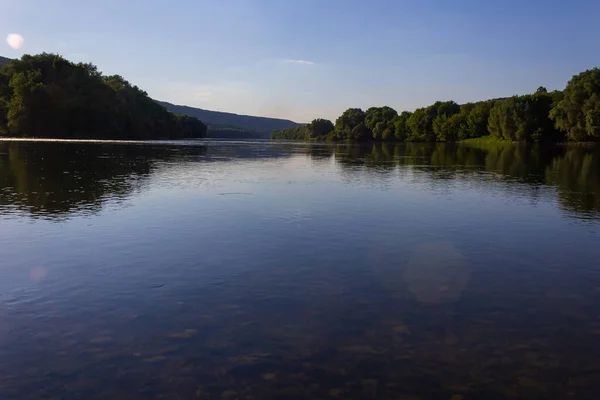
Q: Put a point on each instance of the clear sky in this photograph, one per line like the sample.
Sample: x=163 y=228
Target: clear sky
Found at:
x=302 y=59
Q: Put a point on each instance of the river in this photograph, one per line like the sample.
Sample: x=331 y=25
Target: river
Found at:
x=257 y=270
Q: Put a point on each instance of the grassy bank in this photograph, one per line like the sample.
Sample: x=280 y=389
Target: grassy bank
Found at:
x=489 y=139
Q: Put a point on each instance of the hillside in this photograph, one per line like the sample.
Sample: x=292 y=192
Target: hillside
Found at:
x=48 y=96
x=4 y=60
x=223 y=124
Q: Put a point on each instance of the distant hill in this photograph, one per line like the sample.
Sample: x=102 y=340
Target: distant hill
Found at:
x=223 y=124
x=4 y=60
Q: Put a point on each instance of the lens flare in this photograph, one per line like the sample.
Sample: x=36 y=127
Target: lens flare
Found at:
x=15 y=40
x=38 y=273
x=437 y=273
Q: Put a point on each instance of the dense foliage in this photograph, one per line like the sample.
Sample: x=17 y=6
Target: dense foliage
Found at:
x=351 y=125
x=578 y=112
x=525 y=118
x=380 y=121
x=296 y=133
x=317 y=129
x=320 y=128
x=539 y=117
x=48 y=96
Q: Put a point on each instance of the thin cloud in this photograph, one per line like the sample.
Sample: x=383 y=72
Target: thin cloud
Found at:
x=300 y=62
x=202 y=96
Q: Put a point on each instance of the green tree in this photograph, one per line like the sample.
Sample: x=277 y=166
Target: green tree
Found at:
x=477 y=120
x=524 y=118
x=401 y=129
x=578 y=112
x=421 y=121
x=320 y=128
x=450 y=128
x=351 y=125
x=502 y=120
x=301 y=132
x=379 y=120
x=420 y=125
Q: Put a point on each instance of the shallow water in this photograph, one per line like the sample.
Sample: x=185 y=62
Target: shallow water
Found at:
x=257 y=270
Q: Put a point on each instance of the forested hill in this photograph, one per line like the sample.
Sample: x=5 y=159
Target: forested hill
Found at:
x=47 y=96
x=218 y=121
x=4 y=60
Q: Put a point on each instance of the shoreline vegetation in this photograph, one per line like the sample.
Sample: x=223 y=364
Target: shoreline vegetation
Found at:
x=47 y=96
x=570 y=115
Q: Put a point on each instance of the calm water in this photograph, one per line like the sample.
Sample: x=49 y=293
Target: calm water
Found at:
x=231 y=270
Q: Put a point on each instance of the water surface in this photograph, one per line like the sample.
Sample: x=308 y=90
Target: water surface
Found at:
x=257 y=270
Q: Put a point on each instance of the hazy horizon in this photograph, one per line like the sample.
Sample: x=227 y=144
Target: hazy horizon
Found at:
x=309 y=60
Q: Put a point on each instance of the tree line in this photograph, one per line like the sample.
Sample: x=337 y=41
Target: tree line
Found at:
x=572 y=114
x=47 y=96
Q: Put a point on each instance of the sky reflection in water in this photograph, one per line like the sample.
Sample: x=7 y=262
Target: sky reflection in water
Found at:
x=258 y=270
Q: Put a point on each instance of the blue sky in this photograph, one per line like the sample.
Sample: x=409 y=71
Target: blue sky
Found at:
x=302 y=59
